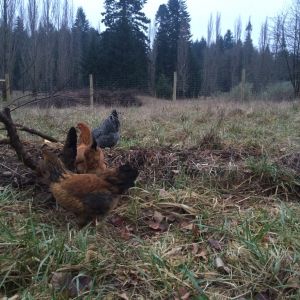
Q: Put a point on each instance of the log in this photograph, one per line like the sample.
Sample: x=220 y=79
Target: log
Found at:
x=15 y=142
x=5 y=142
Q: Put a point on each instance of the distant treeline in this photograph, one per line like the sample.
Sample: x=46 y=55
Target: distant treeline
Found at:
x=43 y=47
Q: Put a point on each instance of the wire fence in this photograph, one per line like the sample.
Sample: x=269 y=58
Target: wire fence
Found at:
x=122 y=91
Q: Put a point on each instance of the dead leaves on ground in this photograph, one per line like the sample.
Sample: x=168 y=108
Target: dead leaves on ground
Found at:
x=70 y=285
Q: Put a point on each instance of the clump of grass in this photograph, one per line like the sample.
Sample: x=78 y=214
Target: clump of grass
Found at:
x=211 y=140
x=274 y=176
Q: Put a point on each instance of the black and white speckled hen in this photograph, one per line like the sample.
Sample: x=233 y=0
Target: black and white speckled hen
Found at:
x=107 y=134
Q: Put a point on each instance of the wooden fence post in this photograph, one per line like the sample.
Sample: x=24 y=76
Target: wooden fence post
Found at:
x=5 y=88
x=175 y=86
x=91 y=91
x=243 y=85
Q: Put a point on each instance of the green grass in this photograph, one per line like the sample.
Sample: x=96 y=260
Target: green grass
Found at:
x=246 y=214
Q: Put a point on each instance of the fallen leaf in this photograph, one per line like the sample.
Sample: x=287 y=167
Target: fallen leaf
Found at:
x=117 y=221
x=214 y=244
x=123 y=296
x=15 y=297
x=158 y=217
x=158 y=226
x=262 y=296
x=125 y=234
x=191 y=227
x=60 y=280
x=163 y=194
x=221 y=266
x=195 y=249
x=170 y=218
x=293 y=283
x=202 y=254
x=186 y=225
x=182 y=206
x=182 y=294
x=80 y=284
x=174 y=251
x=90 y=255
x=154 y=226
x=64 y=283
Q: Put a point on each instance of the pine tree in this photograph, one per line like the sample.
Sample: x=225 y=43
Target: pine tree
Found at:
x=248 y=53
x=124 y=45
x=163 y=60
x=228 y=40
x=173 y=43
x=80 y=31
x=21 y=39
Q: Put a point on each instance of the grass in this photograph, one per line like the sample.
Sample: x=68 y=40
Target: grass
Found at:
x=220 y=235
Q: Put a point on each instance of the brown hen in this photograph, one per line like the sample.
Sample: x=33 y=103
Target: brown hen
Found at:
x=87 y=195
x=90 y=158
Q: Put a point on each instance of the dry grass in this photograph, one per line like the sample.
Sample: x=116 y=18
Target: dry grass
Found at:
x=225 y=227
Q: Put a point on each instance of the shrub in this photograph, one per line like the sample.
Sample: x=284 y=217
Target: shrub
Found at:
x=163 y=87
x=278 y=91
x=236 y=93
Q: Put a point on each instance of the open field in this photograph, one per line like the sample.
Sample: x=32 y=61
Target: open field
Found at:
x=214 y=215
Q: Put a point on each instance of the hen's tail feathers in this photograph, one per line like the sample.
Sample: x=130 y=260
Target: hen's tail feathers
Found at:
x=124 y=178
x=69 y=151
x=94 y=144
x=114 y=113
x=53 y=165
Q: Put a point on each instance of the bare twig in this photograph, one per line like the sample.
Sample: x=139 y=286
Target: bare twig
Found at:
x=33 y=101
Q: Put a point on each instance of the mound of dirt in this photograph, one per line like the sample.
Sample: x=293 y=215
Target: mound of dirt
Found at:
x=161 y=165
x=223 y=169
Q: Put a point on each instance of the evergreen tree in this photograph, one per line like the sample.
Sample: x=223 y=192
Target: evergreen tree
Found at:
x=80 y=32
x=196 y=64
x=172 y=43
x=248 y=53
x=163 y=60
x=124 y=49
x=228 y=40
x=21 y=39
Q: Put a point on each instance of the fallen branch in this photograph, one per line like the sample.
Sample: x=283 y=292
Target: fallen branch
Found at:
x=5 y=142
x=36 y=132
x=15 y=142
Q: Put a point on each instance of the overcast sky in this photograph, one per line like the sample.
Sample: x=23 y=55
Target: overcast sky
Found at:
x=200 y=11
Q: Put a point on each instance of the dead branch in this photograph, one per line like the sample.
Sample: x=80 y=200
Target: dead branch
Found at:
x=36 y=132
x=15 y=142
x=4 y=142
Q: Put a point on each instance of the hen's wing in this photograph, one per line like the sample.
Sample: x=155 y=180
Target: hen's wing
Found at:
x=108 y=140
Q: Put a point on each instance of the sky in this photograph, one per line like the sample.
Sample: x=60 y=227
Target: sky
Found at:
x=200 y=11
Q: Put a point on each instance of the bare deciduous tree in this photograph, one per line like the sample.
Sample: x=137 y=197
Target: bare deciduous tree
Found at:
x=287 y=39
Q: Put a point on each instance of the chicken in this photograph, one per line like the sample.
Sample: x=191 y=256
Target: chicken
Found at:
x=69 y=152
x=90 y=158
x=85 y=136
x=67 y=155
x=107 y=134
x=87 y=195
